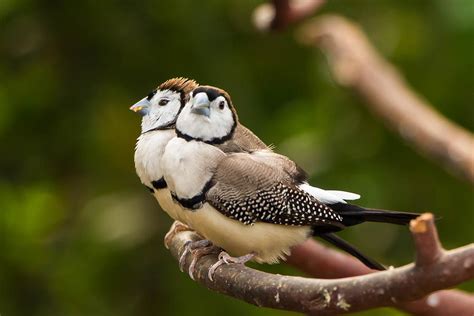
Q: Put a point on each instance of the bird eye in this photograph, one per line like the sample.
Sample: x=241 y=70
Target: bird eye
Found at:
x=221 y=105
x=163 y=102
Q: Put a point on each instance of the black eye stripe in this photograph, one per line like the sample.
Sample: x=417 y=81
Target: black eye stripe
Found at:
x=151 y=95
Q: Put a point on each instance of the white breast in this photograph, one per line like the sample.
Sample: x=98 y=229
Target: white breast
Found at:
x=270 y=242
x=148 y=154
x=188 y=166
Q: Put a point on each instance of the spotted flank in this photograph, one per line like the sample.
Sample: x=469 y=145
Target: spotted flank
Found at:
x=281 y=205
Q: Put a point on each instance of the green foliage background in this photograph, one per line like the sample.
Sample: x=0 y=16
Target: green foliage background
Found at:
x=79 y=235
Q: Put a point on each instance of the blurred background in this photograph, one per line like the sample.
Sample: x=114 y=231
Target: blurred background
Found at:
x=79 y=234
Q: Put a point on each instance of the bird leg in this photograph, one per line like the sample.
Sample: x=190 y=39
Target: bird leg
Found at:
x=225 y=258
x=198 y=254
x=197 y=249
x=174 y=229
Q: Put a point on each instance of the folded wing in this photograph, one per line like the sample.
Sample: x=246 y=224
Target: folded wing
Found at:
x=249 y=189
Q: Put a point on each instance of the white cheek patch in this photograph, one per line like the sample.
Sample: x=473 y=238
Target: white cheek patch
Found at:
x=222 y=123
x=168 y=113
x=218 y=125
x=162 y=115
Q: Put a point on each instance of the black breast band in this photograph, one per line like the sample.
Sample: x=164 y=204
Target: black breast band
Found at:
x=196 y=201
x=159 y=184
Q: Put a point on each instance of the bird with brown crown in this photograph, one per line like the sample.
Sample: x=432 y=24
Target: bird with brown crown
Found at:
x=159 y=111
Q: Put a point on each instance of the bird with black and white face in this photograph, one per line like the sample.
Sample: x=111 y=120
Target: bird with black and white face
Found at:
x=217 y=129
x=229 y=135
x=159 y=111
x=160 y=108
x=255 y=205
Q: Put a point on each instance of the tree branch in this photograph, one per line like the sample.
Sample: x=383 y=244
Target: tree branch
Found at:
x=351 y=56
x=345 y=295
x=281 y=13
x=319 y=261
x=357 y=65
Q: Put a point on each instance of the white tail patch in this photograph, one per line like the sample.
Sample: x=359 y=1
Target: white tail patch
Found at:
x=329 y=196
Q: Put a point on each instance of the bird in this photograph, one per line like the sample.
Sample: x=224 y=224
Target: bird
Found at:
x=255 y=204
x=159 y=111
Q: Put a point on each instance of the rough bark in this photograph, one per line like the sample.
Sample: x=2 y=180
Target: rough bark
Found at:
x=332 y=296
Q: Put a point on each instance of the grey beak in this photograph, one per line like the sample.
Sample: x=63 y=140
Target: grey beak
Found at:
x=142 y=107
x=201 y=105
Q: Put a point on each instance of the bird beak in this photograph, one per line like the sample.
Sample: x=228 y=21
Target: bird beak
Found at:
x=141 y=107
x=201 y=105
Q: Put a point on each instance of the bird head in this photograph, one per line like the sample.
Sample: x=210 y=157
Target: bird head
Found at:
x=160 y=109
x=208 y=115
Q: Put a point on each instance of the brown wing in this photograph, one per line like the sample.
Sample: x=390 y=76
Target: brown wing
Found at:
x=243 y=140
x=254 y=188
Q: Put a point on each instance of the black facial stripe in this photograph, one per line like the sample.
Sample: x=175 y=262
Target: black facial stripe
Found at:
x=159 y=184
x=151 y=95
x=182 y=100
x=170 y=125
x=213 y=141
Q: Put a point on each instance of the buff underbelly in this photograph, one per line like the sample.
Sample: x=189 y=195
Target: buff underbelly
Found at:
x=167 y=203
x=270 y=242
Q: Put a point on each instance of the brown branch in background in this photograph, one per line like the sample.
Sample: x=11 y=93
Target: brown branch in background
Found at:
x=282 y=13
x=357 y=65
x=352 y=58
x=324 y=297
x=319 y=261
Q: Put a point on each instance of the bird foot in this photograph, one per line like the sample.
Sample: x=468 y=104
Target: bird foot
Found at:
x=174 y=229
x=197 y=249
x=198 y=254
x=225 y=258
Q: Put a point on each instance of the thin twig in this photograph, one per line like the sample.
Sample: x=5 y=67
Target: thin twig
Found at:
x=356 y=64
x=281 y=13
x=427 y=243
x=326 y=297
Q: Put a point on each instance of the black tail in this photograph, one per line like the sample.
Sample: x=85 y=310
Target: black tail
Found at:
x=344 y=245
x=353 y=215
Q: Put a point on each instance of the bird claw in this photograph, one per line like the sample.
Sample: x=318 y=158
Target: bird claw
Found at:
x=198 y=254
x=197 y=249
x=174 y=229
x=225 y=258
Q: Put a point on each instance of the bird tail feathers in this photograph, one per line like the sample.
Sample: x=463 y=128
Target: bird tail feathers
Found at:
x=353 y=215
x=347 y=247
